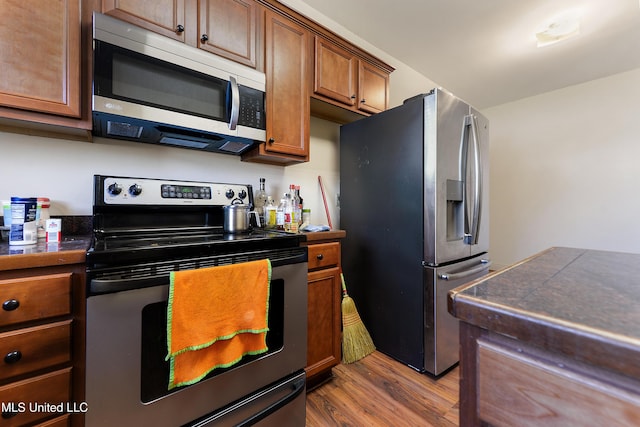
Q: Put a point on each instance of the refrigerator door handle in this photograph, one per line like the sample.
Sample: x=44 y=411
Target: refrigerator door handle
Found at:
x=477 y=202
x=484 y=265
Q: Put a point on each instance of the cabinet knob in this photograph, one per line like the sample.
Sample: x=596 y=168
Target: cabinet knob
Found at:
x=12 y=357
x=204 y=38
x=353 y=97
x=364 y=101
x=10 y=305
x=272 y=140
x=180 y=29
x=320 y=257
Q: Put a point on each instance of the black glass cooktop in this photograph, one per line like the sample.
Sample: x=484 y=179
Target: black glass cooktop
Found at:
x=124 y=247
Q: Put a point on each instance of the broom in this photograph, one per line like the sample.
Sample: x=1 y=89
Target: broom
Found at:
x=356 y=341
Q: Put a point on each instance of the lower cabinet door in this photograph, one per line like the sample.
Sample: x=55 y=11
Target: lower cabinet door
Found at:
x=324 y=319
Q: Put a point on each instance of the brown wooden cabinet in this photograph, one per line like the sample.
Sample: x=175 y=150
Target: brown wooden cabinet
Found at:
x=287 y=68
x=324 y=349
x=344 y=79
x=507 y=382
x=373 y=88
x=228 y=28
x=166 y=17
x=40 y=59
x=42 y=343
x=335 y=72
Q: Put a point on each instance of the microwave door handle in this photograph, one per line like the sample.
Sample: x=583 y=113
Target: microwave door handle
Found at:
x=235 y=103
x=477 y=162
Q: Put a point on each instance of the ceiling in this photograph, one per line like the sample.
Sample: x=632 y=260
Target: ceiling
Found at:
x=485 y=51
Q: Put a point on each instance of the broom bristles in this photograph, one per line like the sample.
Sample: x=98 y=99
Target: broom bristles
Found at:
x=356 y=341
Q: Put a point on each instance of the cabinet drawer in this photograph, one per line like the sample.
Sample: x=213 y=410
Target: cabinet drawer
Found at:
x=27 y=350
x=53 y=388
x=32 y=298
x=323 y=255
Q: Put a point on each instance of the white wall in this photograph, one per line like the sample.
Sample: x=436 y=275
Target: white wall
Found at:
x=565 y=171
x=63 y=169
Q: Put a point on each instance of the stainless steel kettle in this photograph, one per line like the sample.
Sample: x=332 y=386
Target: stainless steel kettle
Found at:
x=237 y=218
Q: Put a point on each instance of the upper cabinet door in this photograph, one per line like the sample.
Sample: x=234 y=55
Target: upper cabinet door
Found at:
x=373 y=88
x=165 y=17
x=229 y=28
x=335 y=72
x=287 y=71
x=40 y=57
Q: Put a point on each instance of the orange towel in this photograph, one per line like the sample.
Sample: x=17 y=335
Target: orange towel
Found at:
x=216 y=316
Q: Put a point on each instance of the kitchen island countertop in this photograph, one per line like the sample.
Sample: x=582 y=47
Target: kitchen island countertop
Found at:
x=581 y=303
x=552 y=340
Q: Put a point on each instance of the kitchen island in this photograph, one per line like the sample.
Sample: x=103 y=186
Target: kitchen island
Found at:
x=552 y=340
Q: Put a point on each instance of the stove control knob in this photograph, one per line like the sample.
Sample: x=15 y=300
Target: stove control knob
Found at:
x=114 y=189
x=135 y=190
x=229 y=194
x=242 y=194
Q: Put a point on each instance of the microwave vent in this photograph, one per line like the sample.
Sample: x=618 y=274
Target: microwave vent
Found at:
x=123 y=129
x=233 y=146
x=182 y=142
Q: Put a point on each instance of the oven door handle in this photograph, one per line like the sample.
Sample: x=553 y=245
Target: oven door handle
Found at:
x=296 y=388
x=107 y=286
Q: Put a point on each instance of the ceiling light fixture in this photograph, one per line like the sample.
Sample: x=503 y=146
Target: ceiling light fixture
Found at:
x=557 y=30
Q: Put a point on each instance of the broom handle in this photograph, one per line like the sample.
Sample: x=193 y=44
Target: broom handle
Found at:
x=324 y=199
x=344 y=287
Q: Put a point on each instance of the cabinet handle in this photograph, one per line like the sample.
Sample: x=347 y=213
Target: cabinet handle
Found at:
x=320 y=257
x=204 y=38
x=272 y=140
x=180 y=29
x=353 y=97
x=10 y=305
x=13 y=357
x=364 y=101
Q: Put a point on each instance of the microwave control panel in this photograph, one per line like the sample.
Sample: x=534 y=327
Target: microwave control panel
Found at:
x=251 y=108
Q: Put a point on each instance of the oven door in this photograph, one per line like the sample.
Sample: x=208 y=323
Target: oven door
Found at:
x=127 y=376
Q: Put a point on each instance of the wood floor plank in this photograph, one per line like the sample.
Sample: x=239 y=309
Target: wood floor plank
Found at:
x=379 y=391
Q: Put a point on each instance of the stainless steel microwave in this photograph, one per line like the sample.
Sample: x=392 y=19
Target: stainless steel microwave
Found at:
x=150 y=88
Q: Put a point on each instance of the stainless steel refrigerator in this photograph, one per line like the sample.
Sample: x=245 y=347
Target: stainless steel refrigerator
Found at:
x=414 y=199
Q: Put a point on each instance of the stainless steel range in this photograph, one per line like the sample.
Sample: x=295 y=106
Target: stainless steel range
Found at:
x=143 y=230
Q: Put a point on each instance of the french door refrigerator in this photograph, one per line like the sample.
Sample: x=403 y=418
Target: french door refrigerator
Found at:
x=414 y=203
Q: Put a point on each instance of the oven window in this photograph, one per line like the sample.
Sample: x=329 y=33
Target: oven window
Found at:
x=155 y=370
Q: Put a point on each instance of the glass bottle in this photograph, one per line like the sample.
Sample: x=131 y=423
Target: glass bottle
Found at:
x=280 y=214
x=289 y=213
x=260 y=201
x=300 y=205
x=270 y=212
x=296 y=213
x=299 y=197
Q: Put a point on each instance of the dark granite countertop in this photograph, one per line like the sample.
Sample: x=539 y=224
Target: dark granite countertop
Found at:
x=76 y=232
x=72 y=250
x=582 y=303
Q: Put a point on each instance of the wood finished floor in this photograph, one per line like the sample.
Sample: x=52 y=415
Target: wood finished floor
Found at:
x=379 y=391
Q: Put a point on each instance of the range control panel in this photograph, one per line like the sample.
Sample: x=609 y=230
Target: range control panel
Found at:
x=145 y=191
